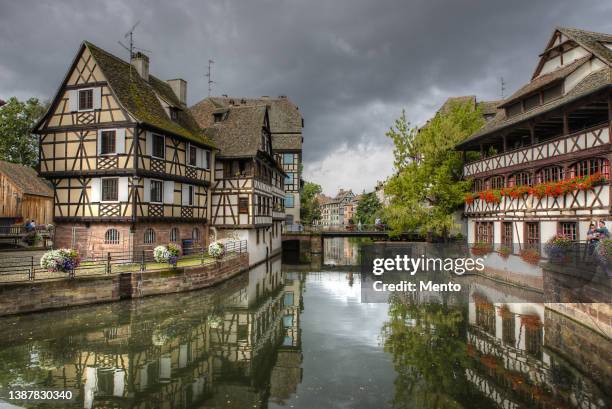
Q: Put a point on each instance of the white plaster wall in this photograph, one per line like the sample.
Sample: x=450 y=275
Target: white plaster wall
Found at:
x=547 y=230
x=497 y=229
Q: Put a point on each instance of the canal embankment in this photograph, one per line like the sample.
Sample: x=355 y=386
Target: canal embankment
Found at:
x=48 y=294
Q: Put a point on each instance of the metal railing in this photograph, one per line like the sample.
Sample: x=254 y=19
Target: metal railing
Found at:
x=16 y=269
x=16 y=231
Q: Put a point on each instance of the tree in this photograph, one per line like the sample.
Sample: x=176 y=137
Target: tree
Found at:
x=368 y=208
x=310 y=209
x=427 y=187
x=17 y=120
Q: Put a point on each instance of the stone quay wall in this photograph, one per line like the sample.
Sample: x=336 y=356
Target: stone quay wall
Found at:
x=24 y=297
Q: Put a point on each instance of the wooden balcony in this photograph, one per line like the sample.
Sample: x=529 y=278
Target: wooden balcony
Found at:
x=590 y=140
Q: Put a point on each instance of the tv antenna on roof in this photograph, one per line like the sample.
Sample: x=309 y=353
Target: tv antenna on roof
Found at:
x=132 y=47
x=502 y=84
x=209 y=76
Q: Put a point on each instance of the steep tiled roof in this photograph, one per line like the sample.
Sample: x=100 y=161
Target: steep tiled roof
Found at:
x=26 y=179
x=285 y=117
x=239 y=134
x=591 y=83
x=140 y=98
x=545 y=79
x=592 y=41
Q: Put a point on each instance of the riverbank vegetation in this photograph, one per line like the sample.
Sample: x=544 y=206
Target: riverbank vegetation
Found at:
x=426 y=189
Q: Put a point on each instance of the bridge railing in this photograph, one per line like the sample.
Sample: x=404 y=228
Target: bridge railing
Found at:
x=336 y=228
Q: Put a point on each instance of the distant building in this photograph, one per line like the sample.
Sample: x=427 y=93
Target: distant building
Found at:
x=286 y=125
x=24 y=196
x=333 y=209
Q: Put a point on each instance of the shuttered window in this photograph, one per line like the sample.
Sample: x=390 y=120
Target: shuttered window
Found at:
x=507 y=236
x=110 y=189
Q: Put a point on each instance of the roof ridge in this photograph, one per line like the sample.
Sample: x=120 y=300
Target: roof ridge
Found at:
x=119 y=59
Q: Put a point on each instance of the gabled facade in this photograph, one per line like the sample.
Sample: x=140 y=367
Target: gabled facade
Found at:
x=248 y=192
x=129 y=165
x=286 y=125
x=555 y=128
x=334 y=210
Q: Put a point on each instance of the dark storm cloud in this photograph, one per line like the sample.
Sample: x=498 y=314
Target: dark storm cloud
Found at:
x=351 y=65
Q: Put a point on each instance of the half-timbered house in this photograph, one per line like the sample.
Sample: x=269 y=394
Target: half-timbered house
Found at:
x=248 y=191
x=286 y=125
x=129 y=165
x=543 y=163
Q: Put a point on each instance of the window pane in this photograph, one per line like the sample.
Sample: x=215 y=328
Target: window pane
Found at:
x=107 y=142
x=158 y=146
x=289 y=200
x=156 y=191
x=193 y=152
x=288 y=158
x=110 y=191
x=85 y=99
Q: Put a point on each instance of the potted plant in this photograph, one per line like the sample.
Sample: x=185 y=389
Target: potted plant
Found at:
x=167 y=254
x=481 y=248
x=531 y=255
x=504 y=251
x=64 y=260
x=558 y=248
x=216 y=249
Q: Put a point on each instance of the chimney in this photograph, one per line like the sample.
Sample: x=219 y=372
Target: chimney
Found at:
x=179 y=86
x=141 y=62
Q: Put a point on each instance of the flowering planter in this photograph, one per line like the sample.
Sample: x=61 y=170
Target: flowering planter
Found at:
x=551 y=189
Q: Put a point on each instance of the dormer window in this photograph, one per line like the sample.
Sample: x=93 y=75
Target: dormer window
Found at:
x=218 y=117
x=173 y=114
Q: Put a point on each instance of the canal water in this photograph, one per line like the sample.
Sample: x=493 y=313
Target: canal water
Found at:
x=299 y=336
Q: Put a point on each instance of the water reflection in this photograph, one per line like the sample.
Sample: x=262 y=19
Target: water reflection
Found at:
x=275 y=338
x=235 y=347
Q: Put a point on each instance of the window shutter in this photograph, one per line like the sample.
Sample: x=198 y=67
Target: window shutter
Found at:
x=120 y=140
x=123 y=189
x=199 y=157
x=149 y=143
x=168 y=192
x=185 y=195
x=187 y=150
x=99 y=151
x=207 y=160
x=147 y=190
x=73 y=100
x=94 y=195
x=97 y=98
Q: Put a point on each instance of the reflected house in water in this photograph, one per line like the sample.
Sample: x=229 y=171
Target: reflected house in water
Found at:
x=534 y=352
x=241 y=341
x=340 y=251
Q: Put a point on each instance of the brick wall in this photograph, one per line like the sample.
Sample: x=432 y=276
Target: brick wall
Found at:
x=90 y=238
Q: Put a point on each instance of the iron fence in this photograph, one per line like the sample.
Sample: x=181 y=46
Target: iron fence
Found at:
x=28 y=268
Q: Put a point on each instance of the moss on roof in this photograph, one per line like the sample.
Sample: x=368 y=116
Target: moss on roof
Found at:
x=141 y=98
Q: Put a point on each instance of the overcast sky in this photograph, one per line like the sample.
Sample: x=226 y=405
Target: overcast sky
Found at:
x=350 y=65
